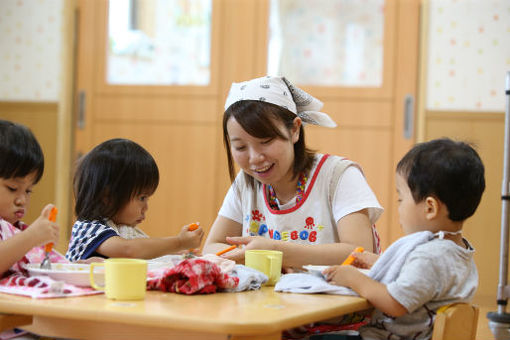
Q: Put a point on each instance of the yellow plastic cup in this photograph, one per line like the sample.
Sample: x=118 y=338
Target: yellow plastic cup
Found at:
x=268 y=262
x=125 y=279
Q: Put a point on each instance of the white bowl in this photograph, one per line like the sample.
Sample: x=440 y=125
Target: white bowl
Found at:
x=73 y=273
x=317 y=270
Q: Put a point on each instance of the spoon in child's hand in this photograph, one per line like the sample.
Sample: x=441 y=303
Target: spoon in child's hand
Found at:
x=191 y=252
x=46 y=263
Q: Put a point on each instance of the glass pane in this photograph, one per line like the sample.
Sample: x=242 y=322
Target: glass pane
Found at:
x=159 y=42
x=327 y=42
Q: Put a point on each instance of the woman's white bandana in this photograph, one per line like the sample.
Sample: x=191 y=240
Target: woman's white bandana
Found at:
x=279 y=91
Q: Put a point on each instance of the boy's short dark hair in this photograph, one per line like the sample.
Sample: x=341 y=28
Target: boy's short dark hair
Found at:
x=110 y=175
x=449 y=170
x=20 y=153
x=255 y=117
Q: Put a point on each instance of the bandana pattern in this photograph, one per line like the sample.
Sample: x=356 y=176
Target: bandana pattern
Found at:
x=280 y=91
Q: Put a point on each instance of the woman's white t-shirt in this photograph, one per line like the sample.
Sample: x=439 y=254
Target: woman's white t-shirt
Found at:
x=314 y=219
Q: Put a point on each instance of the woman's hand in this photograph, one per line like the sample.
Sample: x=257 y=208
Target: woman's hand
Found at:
x=249 y=242
x=236 y=255
x=253 y=242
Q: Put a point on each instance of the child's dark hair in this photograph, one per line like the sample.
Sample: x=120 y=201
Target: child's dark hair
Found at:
x=20 y=153
x=449 y=170
x=110 y=175
x=255 y=118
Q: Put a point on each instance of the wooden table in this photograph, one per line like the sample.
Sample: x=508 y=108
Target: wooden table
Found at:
x=252 y=315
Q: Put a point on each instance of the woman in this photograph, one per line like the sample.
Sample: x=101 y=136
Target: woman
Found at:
x=314 y=208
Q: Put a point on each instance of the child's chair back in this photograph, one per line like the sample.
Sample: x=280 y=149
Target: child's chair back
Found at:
x=457 y=321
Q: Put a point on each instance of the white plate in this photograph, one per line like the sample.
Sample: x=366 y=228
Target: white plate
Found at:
x=73 y=273
x=315 y=270
x=167 y=261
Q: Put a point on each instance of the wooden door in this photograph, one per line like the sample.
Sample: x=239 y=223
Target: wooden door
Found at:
x=181 y=125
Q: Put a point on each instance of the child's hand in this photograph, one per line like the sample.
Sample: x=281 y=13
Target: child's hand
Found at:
x=190 y=238
x=340 y=275
x=43 y=230
x=364 y=260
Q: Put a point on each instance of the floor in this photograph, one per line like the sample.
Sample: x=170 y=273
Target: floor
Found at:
x=486 y=304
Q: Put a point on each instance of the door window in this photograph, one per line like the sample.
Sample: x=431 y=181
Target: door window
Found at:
x=159 y=42
x=332 y=43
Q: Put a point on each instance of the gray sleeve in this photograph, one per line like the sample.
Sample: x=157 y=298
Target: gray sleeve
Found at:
x=418 y=283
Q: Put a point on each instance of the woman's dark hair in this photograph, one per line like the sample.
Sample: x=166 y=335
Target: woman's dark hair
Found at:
x=448 y=170
x=258 y=119
x=110 y=175
x=20 y=153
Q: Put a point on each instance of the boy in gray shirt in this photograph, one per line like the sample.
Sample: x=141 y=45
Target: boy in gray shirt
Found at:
x=439 y=185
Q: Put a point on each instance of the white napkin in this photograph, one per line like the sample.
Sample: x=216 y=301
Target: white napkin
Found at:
x=249 y=278
x=385 y=270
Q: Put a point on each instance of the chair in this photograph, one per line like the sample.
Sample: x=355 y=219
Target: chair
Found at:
x=457 y=321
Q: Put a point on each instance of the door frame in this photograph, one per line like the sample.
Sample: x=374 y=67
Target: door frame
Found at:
x=397 y=84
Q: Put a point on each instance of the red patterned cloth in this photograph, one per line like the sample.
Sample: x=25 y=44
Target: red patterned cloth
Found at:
x=348 y=322
x=193 y=276
x=41 y=287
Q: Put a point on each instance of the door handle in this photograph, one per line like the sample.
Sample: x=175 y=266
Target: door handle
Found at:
x=80 y=119
x=408 y=116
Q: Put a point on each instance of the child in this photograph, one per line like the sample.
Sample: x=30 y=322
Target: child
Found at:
x=314 y=208
x=21 y=167
x=112 y=186
x=439 y=185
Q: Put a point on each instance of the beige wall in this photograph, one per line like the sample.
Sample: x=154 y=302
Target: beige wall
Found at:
x=36 y=90
x=41 y=118
x=486 y=131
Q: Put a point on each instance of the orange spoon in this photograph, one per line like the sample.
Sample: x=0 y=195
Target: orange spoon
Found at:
x=350 y=259
x=46 y=263
x=193 y=226
x=226 y=250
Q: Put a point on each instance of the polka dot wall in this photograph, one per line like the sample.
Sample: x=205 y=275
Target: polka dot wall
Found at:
x=468 y=54
x=30 y=50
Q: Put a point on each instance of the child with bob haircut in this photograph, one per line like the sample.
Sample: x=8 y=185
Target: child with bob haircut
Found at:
x=439 y=185
x=21 y=167
x=112 y=186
